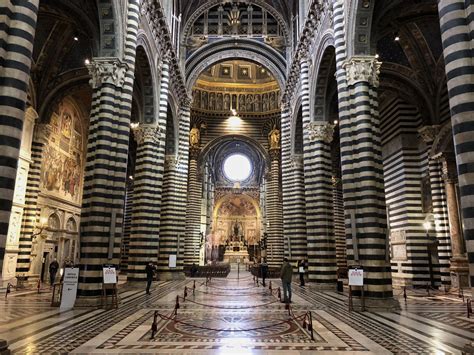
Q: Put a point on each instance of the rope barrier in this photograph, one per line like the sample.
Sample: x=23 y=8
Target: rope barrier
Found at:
x=232 y=294
x=232 y=289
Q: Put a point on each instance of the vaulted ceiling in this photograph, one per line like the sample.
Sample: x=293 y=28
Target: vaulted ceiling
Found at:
x=284 y=7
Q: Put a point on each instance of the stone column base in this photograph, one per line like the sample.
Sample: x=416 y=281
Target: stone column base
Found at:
x=322 y=287
x=459 y=271
x=95 y=301
x=4 y=347
x=374 y=304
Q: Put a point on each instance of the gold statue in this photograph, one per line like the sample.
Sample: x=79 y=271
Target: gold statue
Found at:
x=194 y=137
x=274 y=138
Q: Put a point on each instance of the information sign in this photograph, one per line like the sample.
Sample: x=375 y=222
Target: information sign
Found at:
x=172 y=261
x=68 y=296
x=356 y=277
x=110 y=275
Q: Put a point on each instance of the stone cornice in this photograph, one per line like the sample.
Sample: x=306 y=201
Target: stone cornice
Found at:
x=154 y=13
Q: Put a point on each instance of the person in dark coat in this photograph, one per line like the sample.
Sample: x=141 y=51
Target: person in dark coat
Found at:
x=301 y=271
x=53 y=269
x=150 y=270
x=194 y=270
x=264 y=271
x=286 y=274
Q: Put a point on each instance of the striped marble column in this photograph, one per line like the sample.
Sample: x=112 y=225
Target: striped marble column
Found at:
x=148 y=179
x=173 y=211
x=362 y=174
x=294 y=213
x=319 y=200
x=31 y=215
x=339 y=231
x=17 y=32
x=275 y=243
x=193 y=210
x=457 y=28
x=127 y=225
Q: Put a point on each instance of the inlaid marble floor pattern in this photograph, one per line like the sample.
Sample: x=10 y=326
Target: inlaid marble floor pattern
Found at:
x=230 y=316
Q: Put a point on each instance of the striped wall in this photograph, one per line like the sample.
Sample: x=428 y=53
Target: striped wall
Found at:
x=294 y=213
x=31 y=213
x=456 y=21
x=275 y=243
x=127 y=222
x=404 y=166
x=17 y=32
x=173 y=210
x=339 y=231
x=193 y=211
x=106 y=166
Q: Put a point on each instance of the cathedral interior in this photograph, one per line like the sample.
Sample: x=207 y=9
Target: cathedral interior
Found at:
x=199 y=145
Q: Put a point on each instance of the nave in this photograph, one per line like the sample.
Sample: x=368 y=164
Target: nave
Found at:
x=234 y=316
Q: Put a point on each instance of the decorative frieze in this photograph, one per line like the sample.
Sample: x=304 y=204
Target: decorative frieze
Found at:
x=107 y=70
x=320 y=131
x=363 y=69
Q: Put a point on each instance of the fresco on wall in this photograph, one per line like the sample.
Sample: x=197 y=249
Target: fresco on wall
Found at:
x=61 y=172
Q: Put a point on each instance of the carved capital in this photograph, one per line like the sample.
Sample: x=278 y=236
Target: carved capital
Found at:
x=362 y=69
x=145 y=134
x=320 y=131
x=336 y=182
x=172 y=162
x=428 y=133
x=449 y=168
x=107 y=71
x=297 y=161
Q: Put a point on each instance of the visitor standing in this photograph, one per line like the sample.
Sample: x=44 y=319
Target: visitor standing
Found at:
x=150 y=272
x=53 y=269
x=301 y=271
x=286 y=274
x=264 y=270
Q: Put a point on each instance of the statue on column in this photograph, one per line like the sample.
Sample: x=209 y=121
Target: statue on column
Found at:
x=274 y=138
x=194 y=137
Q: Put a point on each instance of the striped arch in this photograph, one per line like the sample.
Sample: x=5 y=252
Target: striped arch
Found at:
x=319 y=104
x=359 y=28
x=235 y=49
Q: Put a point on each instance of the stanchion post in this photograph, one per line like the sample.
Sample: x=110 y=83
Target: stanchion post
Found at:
x=279 y=293
x=311 y=324
x=194 y=286
x=270 y=285
x=8 y=290
x=38 y=285
x=185 y=292
x=405 y=293
x=350 y=299
x=469 y=308
x=154 y=325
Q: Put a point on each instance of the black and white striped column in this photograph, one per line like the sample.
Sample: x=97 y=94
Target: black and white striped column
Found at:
x=17 y=33
x=457 y=28
x=148 y=179
x=275 y=243
x=319 y=203
x=339 y=231
x=106 y=167
x=362 y=174
x=31 y=213
x=294 y=214
x=193 y=210
x=173 y=211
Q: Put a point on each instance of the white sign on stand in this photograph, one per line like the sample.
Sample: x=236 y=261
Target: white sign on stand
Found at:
x=356 y=277
x=68 y=296
x=172 y=261
x=110 y=275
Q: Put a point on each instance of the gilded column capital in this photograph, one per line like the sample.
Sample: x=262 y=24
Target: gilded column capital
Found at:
x=362 y=69
x=320 y=131
x=107 y=70
x=429 y=133
x=146 y=133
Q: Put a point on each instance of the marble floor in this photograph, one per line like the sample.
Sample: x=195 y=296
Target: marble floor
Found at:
x=230 y=316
